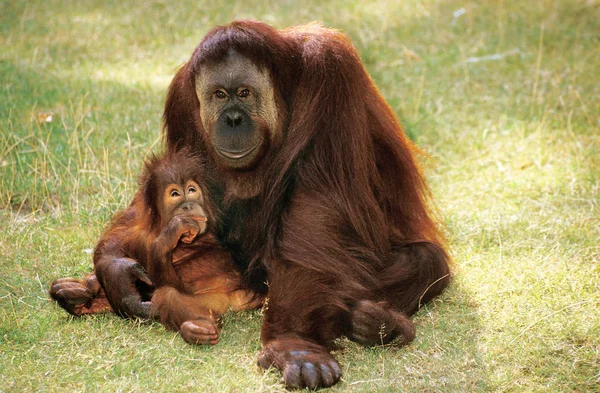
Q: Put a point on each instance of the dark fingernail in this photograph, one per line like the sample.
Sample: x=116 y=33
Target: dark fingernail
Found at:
x=337 y=371
x=326 y=375
x=310 y=376
x=291 y=376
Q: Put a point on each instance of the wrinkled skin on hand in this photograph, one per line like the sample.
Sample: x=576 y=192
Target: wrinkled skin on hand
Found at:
x=80 y=297
x=130 y=287
x=304 y=364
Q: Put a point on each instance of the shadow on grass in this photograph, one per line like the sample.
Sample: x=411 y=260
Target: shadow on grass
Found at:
x=445 y=355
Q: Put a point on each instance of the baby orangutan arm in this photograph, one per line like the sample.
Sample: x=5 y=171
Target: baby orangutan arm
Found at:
x=211 y=286
x=175 y=309
x=160 y=259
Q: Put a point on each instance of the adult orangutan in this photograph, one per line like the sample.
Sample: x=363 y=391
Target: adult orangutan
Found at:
x=191 y=280
x=321 y=202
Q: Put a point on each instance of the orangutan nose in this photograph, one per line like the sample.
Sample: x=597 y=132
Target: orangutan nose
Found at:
x=233 y=118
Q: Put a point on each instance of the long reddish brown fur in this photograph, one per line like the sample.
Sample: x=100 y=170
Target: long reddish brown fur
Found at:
x=343 y=212
x=206 y=282
x=339 y=236
x=206 y=272
x=133 y=229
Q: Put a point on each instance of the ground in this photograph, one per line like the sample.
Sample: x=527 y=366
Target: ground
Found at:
x=502 y=96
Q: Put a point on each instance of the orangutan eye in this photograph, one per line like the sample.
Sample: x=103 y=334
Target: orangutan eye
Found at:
x=220 y=94
x=191 y=189
x=244 y=93
x=175 y=193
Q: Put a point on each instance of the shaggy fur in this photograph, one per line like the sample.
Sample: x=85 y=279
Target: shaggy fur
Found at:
x=339 y=233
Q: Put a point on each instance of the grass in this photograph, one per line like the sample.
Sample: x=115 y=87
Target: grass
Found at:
x=504 y=96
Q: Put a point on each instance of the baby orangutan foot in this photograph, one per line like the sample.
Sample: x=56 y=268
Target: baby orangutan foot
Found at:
x=199 y=331
x=80 y=297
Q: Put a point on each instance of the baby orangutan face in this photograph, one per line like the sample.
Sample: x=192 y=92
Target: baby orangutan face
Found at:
x=184 y=199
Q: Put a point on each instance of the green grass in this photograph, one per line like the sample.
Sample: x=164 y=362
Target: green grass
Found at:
x=514 y=165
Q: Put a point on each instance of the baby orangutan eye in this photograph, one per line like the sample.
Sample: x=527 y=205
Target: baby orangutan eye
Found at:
x=175 y=193
x=191 y=189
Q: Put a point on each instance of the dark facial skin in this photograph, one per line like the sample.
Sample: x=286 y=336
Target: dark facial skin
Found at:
x=238 y=111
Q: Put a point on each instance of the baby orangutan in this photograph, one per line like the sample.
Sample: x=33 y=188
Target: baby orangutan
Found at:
x=192 y=281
